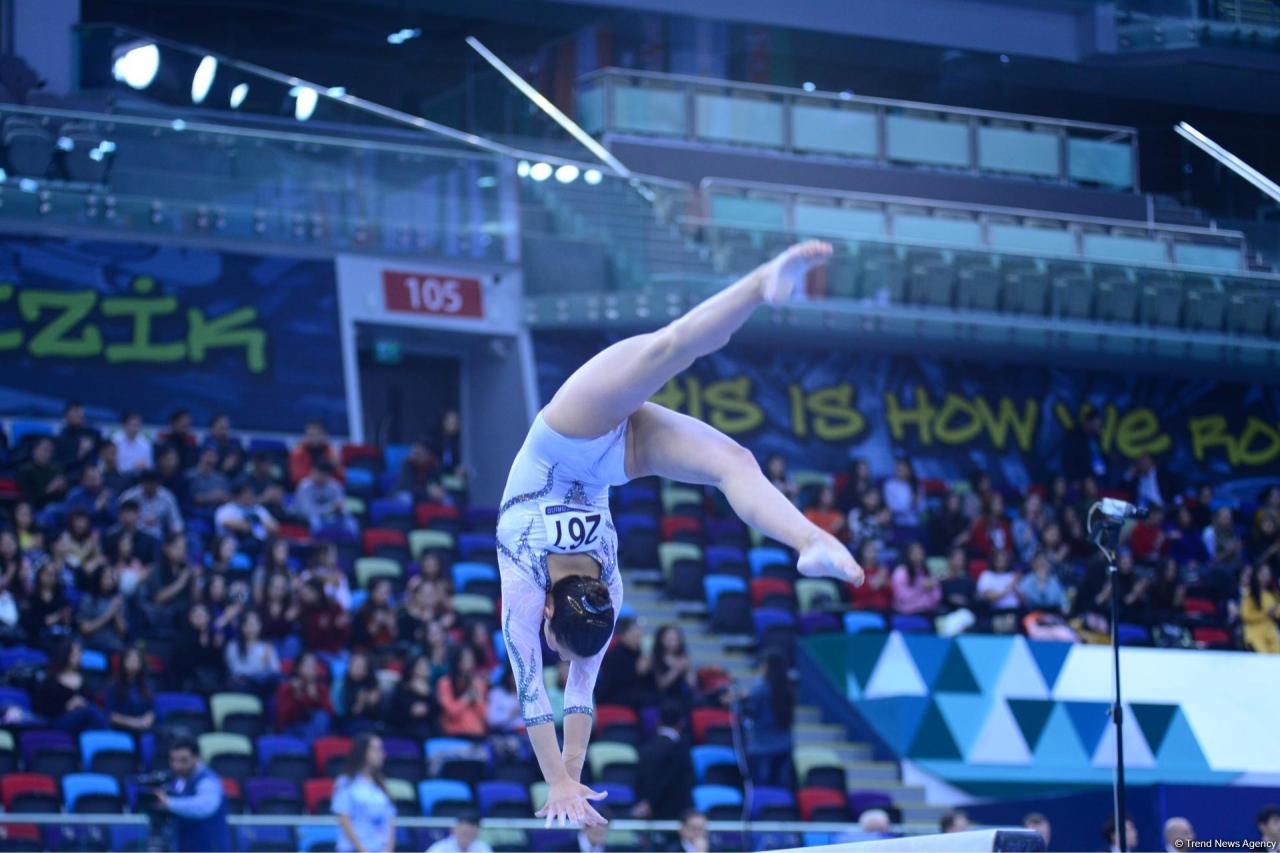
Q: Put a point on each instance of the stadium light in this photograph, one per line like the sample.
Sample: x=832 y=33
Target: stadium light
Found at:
x=522 y=169
x=137 y=66
x=1264 y=184
x=592 y=176
x=404 y=35
x=567 y=174
x=808 y=86
x=540 y=171
x=305 y=100
x=202 y=80
x=238 y=94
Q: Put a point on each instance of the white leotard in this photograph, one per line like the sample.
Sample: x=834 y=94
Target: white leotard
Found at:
x=557 y=500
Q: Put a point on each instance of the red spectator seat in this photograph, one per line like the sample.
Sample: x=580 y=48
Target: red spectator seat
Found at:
x=327 y=751
x=706 y=721
x=934 y=488
x=424 y=514
x=814 y=798
x=294 y=532
x=762 y=588
x=35 y=787
x=977 y=567
x=9 y=489
x=1211 y=637
x=380 y=537
x=317 y=793
x=19 y=832
x=361 y=456
x=712 y=678
x=610 y=715
x=680 y=528
x=231 y=788
x=1199 y=607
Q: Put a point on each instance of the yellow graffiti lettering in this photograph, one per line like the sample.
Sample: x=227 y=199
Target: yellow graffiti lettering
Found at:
x=52 y=340
x=671 y=396
x=1139 y=432
x=920 y=417
x=12 y=338
x=228 y=332
x=834 y=416
x=142 y=309
x=1209 y=431
x=1063 y=414
x=732 y=410
x=945 y=427
x=1246 y=453
x=799 y=415
x=1006 y=418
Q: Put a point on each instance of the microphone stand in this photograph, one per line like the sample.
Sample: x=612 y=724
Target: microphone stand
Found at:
x=1106 y=535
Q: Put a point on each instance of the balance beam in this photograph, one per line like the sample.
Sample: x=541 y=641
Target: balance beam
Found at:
x=976 y=841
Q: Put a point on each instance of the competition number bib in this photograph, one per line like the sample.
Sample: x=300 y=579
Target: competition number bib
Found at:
x=570 y=529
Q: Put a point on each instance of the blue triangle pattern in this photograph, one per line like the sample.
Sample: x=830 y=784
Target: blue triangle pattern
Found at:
x=1051 y=658
x=964 y=714
x=1059 y=744
x=895 y=718
x=929 y=652
x=986 y=656
x=1180 y=749
x=1089 y=719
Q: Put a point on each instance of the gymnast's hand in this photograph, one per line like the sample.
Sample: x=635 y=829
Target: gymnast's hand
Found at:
x=567 y=802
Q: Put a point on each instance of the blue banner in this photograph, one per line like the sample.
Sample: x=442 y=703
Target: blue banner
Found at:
x=821 y=409
x=119 y=325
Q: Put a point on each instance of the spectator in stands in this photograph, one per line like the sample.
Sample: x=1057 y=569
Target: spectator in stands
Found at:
x=279 y=611
x=591 y=839
x=267 y=487
x=375 y=625
x=1168 y=593
x=366 y=815
x=1202 y=507
x=77 y=441
x=1185 y=539
x=171 y=585
x=180 y=437
x=1146 y=537
x=419 y=474
x=114 y=478
x=158 y=513
x=1268 y=822
x=47 y=616
x=413 y=709
x=767 y=713
x=1039 y=823
x=450 y=444
x=359 y=698
x=431 y=567
x=673 y=671
x=1265 y=540
x=875 y=822
x=252 y=663
x=953 y=820
x=200 y=648
x=1040 y=589
x=172 y=477
x=326 y=625
x=1148 y=486
x=1133 y=588
x=14 y=569
x=40 y=480
x=626 y=676
x=1027 y=528
x=503 y=716
x=420 y=611
x=480 y=641
x=1130 y=833
x=225 y=602
x=876 y=592
x=1259 y=610
x=321 y=500
x=62 y=697
x=464 y=837
x=775 y=468
x=92 y=495
x=915 y=590
x=221 y=556
x=997 y=589
x=134 y=448
x=1221 y=540
x=311 y=451
x=100 y=616
x=303 y=705
x=225 y=446
x=664 y=775
x=130 y=705
x=80 y=548
x=826 y=515
x=463 y=696
x=857 y=480
x=141 y=543
x=30 y=537
x=207 y=487
x=904 y=496
x=195 y=796
x=693 y=832
x=245 y=518
x=326 y=568
x=990 y=531
x=950 y=527
x=871 y=521
x=1178 y=833
x=1082 y=453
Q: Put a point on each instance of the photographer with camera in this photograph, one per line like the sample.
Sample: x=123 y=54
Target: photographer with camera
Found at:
x=194 y=796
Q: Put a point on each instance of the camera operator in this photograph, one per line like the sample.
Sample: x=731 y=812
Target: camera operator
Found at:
x=195 y=798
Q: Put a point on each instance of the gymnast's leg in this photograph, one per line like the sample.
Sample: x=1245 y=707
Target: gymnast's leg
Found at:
x=669 y=444
x=606 y=390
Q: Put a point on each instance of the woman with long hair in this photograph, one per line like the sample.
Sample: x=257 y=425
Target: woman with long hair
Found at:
x=463 y=696
x=915 y=589
x=366 y=815
x=767 y=715
x=673 y=671
x=303 y=706
x=62 y=697
x=414 y=709
x=252 y=662
x=129 y=702
x=1259 y=610
x=47 y=616
x=358 y=697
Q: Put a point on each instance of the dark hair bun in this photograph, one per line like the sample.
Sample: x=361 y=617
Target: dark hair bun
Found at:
x=582 y=614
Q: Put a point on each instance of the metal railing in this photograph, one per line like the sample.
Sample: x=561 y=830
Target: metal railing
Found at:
x=615 y=100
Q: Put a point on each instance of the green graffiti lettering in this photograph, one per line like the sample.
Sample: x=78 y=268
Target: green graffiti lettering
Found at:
x=1139 y=432
x=1255 y=429
x=732 y=411
x=899 y=418
x=1210 y=431
x=142 y=309
x=799 y=416
x=52 y=340
x=1007 y=417
x=11 y=339
x=949 y=432
x=227 y=332
x=835 y=417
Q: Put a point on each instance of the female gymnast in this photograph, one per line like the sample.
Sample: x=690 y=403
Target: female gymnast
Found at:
x=557 y=547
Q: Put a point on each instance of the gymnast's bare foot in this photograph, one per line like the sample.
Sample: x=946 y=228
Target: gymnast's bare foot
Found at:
x=787 y=271
x=826 y=557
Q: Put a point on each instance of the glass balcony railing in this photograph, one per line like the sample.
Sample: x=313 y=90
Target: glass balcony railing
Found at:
x=845 y=125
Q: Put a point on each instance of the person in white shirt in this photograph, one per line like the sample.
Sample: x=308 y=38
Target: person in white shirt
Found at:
x=463 y=838
x=134 y=448
x=366 y=815
x=1177 y=833
x=242 y=517
x=998 y=585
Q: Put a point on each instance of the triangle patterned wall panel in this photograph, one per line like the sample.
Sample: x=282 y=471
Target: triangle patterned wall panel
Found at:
x=1000 y=740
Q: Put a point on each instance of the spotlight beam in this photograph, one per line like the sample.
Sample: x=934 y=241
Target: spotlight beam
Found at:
x=1264 y=184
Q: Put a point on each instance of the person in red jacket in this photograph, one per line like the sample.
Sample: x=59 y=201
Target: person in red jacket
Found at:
x=326 y=627
x=990 y=531
x=303 y=706
x=463 y=695
x=876 y=593
x=313 y=449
